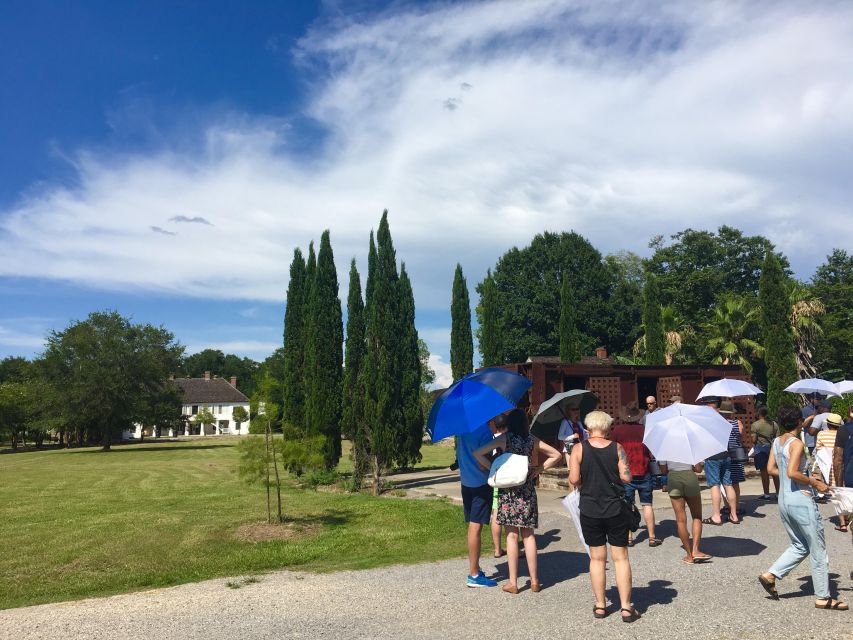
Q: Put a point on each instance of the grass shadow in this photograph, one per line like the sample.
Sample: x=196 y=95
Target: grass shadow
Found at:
x=124 y=449
x=414 y=483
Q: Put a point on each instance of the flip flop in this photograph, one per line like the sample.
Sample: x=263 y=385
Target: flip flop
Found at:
x=686 y=561
x=769 y=587
x=703 y=558
x=655 y=542
x=839 y=527
x=711 y=521
x=834 y=605
x=735 y=521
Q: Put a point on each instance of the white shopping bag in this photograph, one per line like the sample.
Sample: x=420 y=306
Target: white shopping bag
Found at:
x=842 y=499
x=823 y=460
x=571 y=503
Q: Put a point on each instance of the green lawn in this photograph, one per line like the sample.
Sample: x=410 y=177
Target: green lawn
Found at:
x=77 y=523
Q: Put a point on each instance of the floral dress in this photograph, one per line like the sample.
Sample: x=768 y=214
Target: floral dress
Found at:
x=517 y=506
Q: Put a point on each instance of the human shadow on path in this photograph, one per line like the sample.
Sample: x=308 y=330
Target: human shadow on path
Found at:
x=554 y=567
x=545 y=539
x=806 y=587
x=656 y=592
x=729 y=547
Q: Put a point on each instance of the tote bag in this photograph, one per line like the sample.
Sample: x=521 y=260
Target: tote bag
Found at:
x=508 y=470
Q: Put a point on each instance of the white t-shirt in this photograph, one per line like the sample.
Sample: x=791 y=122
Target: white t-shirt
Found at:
x=676 y=466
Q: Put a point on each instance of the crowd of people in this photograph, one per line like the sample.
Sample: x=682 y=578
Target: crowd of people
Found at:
x=611 y=468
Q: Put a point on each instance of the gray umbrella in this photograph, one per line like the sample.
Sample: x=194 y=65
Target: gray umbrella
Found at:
x=546 y=422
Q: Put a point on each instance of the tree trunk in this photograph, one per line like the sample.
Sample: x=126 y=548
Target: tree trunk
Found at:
x=107 y=442
x=267 y=461
x=61 y=438
x=277 y=478
x=377 y=480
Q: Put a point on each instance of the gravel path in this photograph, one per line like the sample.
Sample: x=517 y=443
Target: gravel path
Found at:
x=718 y=600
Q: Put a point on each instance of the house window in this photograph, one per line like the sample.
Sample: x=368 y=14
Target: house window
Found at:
x=194 y=410
x=219 y=409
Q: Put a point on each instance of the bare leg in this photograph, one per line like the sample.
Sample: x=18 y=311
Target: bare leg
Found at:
x=695 y=505
x=678 y=507
x=649 y=517
x=765 y=481
x=776 y=484
x=512 y=555
x=716 y=500
x=474 y=529
x=623 y=575
x=529 y=541
x=597 y=562
x=496 y=534
x=732 y=492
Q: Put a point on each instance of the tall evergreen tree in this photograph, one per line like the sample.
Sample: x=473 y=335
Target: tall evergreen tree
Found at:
x=489 y=332
x=412 y=430
x=653 y=323
x=324 y=356
x=293 y=387
x=569 y=339
x=461 y=338
x=776 y=335
x=352 y=423
x=371 y=273
x=380 y=375
x=310 y=270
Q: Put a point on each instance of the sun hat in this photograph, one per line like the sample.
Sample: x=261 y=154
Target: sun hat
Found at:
x=727 y=408
x=834 y=419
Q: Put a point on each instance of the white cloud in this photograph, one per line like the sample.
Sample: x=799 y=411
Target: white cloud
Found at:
x=604 y=117
x=443 y=374
x=11 y=337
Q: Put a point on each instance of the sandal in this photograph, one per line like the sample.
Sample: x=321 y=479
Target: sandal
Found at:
x=535 y=586
x=735 y=521
x=500 y=555
x=841 y=527
x=596 y=609
x=713 y=522
x=702 y=558
x=835 y=605
x=510 y=589
x=770 y=587
x=633 y=615
x=655 y=542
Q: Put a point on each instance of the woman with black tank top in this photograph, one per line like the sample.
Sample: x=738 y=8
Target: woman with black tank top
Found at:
x=598 y=469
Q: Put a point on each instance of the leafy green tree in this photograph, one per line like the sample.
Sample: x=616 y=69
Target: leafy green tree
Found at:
x=569 y=342
x=625 y=302
x=162 y=410
x=108 y=368
x=14 y=369
x=833 y=285
x=461 y=338
x=732 y=321
x=324 y=355
x=411 y=409
x=204 y=418
x=655 y=340
x=528 y=285
x=776 y=334
x=223 y=365
x=239 y=415
x=806 y=311
x=381 y=373
x=292 y=382
x=427 y=377
x=13 y=412
x=352 y=396
x=490 y=323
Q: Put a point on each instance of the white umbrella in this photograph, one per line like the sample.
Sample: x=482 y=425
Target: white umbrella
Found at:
x=844 y=387
x=686 y=433
x=728 y=388
x=813 y=385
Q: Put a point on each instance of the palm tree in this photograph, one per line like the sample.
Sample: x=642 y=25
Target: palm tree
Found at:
x=675 y=331
x=805 y=309
x=728 y=329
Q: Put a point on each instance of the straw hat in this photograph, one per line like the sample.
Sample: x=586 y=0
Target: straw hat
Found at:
x=727 y=408
x=834 y=419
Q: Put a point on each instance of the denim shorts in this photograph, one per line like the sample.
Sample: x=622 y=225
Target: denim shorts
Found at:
x=718 y=472
x=761 y=458
x=641 y=485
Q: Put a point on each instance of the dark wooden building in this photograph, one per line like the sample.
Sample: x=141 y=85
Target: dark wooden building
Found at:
x=616 y=385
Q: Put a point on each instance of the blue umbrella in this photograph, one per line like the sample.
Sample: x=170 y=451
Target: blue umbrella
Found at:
x=474 y=400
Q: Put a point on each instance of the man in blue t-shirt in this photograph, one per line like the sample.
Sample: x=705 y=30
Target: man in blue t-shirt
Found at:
x=476 y=499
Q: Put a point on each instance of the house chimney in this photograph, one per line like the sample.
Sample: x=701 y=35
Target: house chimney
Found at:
x=234 y=381
x=207 y=375
x=601 y=353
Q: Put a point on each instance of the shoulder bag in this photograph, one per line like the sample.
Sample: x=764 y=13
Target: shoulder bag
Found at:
x=628 y=508
x=508 y=470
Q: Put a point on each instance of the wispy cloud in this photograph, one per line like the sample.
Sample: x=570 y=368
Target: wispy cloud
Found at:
x=194 y=219
x=11 y=337
x=166 y=232
x=603 y=117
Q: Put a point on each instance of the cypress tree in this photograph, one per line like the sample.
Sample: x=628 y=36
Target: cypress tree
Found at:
x=293 y=389
x=569 y=347
x=412 y=430
x=310 y=269
x=653 y=323
x=489 y=333
x=352 y=422
x=461 y=339
x=776 y=334
x=324 y=356
x=371 y=273
x=380 y=375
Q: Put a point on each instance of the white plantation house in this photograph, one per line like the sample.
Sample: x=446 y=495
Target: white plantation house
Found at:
x=217 y=395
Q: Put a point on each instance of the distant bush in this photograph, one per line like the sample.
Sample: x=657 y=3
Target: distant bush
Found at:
x=319 y=477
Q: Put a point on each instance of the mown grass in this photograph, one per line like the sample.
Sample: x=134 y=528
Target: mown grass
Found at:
x=78 y=523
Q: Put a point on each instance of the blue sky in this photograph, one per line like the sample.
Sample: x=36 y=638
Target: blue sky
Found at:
x=163 y=159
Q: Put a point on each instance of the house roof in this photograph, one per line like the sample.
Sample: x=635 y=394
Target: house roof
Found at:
x=215 y=390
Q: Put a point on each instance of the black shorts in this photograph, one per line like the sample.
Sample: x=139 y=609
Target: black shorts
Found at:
x=477 y=503
x=597 y=531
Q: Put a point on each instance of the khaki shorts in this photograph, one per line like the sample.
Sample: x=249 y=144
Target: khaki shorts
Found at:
x=683 y=484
